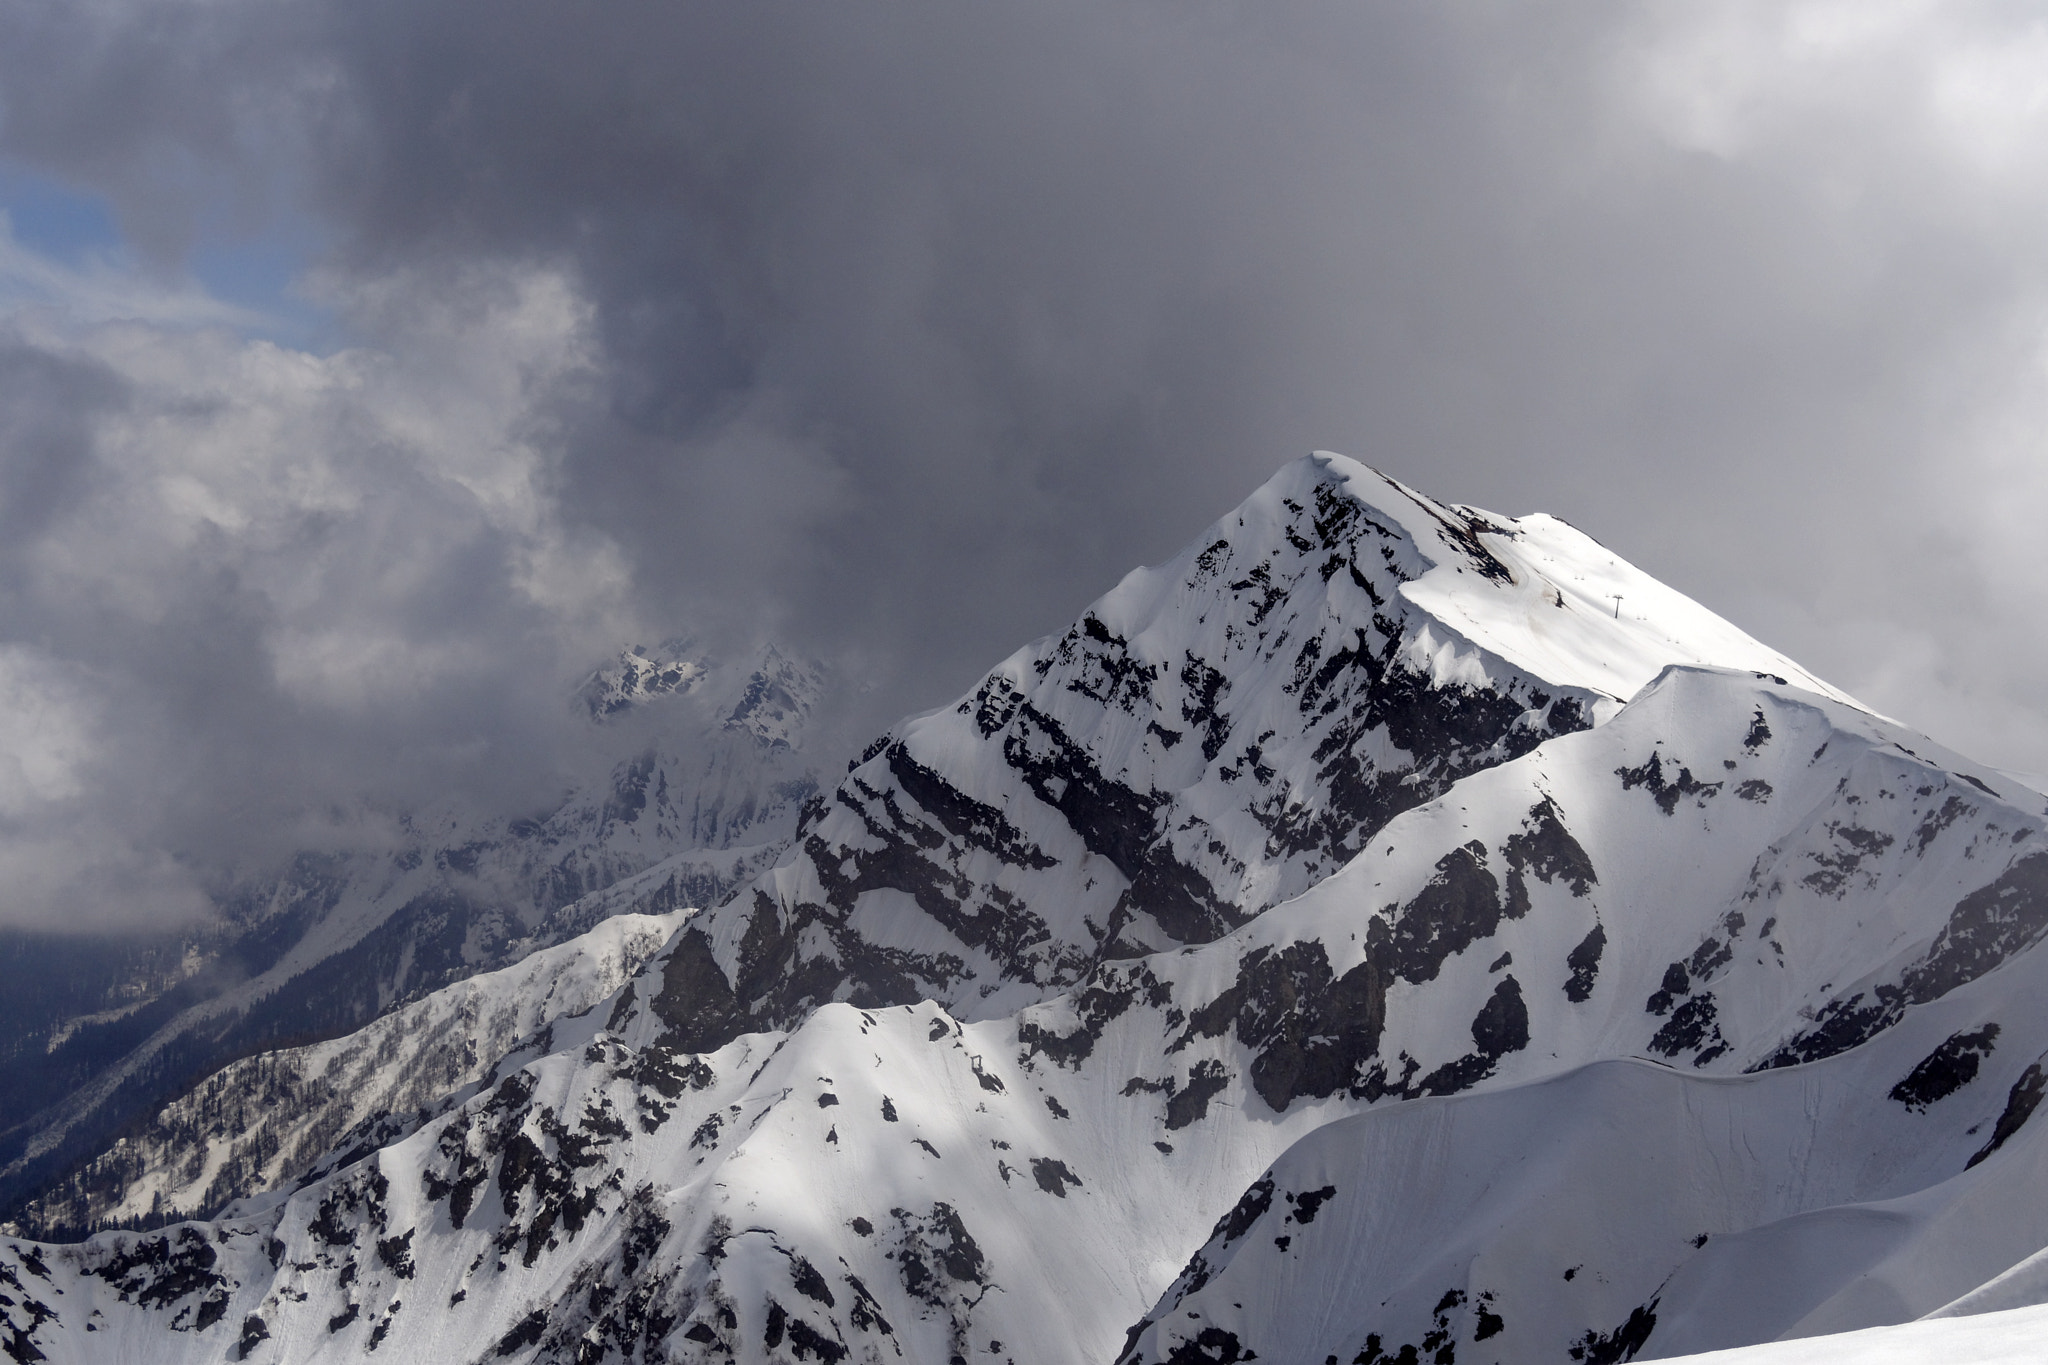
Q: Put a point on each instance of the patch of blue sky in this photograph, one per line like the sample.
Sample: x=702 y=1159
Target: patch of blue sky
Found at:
x=63 y=250
x=54 y=220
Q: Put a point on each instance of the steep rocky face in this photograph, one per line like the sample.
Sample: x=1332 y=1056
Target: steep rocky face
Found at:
x=1212 y=737
x=719 y=758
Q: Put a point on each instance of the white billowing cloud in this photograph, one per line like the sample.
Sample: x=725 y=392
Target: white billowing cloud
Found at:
x=45 y=734
x=1892 y=149
x=907 y=330
x=273 y=590
x=63 y=862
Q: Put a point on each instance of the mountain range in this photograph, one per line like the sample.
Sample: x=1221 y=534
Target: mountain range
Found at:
x=705 y=764
x=1388 y=932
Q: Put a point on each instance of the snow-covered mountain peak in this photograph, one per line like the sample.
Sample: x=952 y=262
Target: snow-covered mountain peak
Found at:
x=639 y=674
x=1550 y=599
x=765 y=694
x=1210 y=738
x=777 y=702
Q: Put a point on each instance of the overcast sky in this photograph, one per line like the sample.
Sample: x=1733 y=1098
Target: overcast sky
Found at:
x=370 y=368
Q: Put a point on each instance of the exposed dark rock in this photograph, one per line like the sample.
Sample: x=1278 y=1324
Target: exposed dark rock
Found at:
x=806 y=1341
x=917 y=858
x=1460 y=905
x=1311 y=1031
x=1111 y=990
x=1947 y=1069
x=808 y=1282
x=1950 y=810
x=1611 y=1348
x=526 y=1332
x=1502 y=1024
x=1438 y=1345
x=1584 y=962
x=1053 y=1176
x=1543 y=846
x=396 y=1254
x=976 y=824
x=1307 y=1203
x=696 y=1002
x=1190 y=1103
x=2020 y=1103
x=1203 y=687
x=1693 y=1026
x=1831 y=876
x=936 y=1252
x=1250 y=1207
x=1316 y=1035
x=159 y=1271
x=1986 y=927
x=1677 y=982
x=1210 y=1346
x=1667 y=792
x=1500 y=1027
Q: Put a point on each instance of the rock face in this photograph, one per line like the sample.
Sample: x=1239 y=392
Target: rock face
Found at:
x=1467 y=972
x=718 y=760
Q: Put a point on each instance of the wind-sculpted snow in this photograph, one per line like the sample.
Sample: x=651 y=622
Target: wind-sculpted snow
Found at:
x=1214 y=736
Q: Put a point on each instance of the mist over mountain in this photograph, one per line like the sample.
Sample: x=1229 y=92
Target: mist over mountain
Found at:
x=710 y=762
x=368 y=370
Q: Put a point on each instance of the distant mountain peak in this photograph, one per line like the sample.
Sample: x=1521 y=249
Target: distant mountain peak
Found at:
x=777 y=701
x=768 y=696
x=640 y=674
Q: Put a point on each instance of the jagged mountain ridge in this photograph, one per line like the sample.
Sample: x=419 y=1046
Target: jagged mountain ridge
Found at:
x=904 y=1182
x=1207 y=740
x=710 y=786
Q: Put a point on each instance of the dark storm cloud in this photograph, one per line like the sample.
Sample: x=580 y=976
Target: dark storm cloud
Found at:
x=906 y=329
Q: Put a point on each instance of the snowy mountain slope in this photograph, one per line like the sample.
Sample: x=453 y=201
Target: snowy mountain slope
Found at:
x=713 y=778
x=1737 y=876
x=1212 y=737
x=262 y=1122
x=2015 y=1337
x=895 y=1180
x=1629 y=1211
